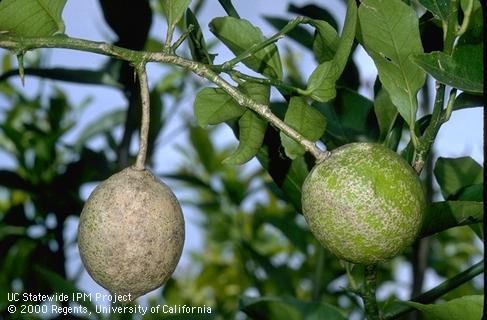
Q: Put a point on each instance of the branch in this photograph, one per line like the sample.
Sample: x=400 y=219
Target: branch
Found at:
x=368 y=293
x=438 y=117
x=272 y=82
x=182 y=38
x=20 y=44
x=145 y=122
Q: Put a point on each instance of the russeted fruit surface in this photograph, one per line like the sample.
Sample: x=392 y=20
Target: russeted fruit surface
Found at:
x=364 y=203
x=131 y=233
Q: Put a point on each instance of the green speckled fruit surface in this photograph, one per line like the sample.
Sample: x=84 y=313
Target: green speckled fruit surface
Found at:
x=364 y=203
x=131 y=233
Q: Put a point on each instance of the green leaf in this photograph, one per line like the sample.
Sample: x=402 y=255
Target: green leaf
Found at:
x=322 y=81
x=239 y=35
x=70 y=75
x=204 y=148
x=306 y=120
x=347 y=37
x=9 y=230
x=32 y=18
x=252 y=127
x=326 y=41
x=174 y=10
x=276 y=308
x=213 y=105
x=349 y=118
x=105 y=122
x=454 y=174
x=440 y=216
x=197 y=44
x=251 y=135
x=440 y=8
x=463 y=70
x=465 y=308
x=385 y=112
x=294 y=180
x=191 y=179
x=390 y=35
x=465 y=100
x=474 y=192
x=229 y=8
x=157 y=120
x=475 y=30
x=313 y=11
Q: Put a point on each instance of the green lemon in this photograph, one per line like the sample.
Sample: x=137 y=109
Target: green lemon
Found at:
x=131 y=233
x=364 y=203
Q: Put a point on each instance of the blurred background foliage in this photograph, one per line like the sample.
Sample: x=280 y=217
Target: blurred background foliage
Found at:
x=257 y=257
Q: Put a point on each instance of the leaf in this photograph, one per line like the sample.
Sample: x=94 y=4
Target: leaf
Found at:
x=385 y=112
x=197 y=44
x=252 y=127
x=287 y=175
x=347 y=37
x=465 y=100
x=105 y=122
x=294 y=181
x=204 y=148
x=349 y=118
x=190 y=179
x=440 y=216
x=70 y=75
x=276 y=308
x=322 y=81
x=390 y=35
x=463 y=70
x=251 y=135
x=239 y=35
x=9 y=230
x=326 y=41
x=229 y=8
x=213 y=105
x=474 y=192
x=454 y=174
x=440 y=8
x=306 y=120
x=465 y=308
x=174 y=10
x=314 y=12
x=475 y=31
x=32 y=18
x=157 y=120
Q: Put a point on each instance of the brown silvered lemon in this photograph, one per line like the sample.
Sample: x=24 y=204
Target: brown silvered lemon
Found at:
x=364 y=203
x=131 y=233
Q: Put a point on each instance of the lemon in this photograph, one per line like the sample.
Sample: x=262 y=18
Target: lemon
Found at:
x=131 y=233
x=364 y=203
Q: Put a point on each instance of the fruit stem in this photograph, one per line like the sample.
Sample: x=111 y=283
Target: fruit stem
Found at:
x=368 y=293
x=145 y=119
